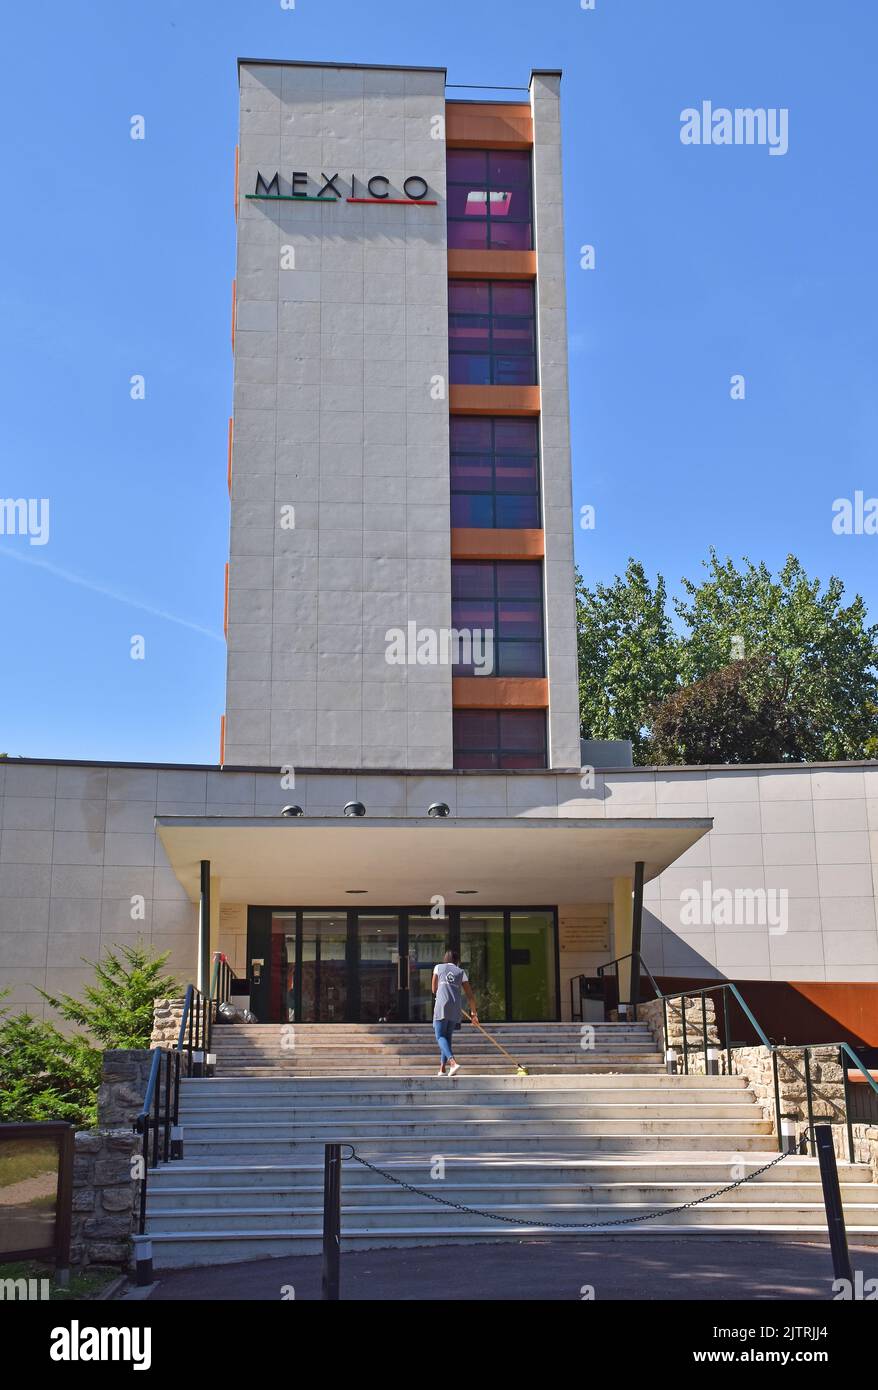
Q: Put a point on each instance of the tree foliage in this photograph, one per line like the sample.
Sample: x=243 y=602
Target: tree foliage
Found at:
x=117 y=1011
x=627 y=655
x=759 y=668
x=46 y=1076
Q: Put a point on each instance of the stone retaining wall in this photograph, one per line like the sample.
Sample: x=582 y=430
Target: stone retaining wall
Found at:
x=108 y=1164
x=167 y=1017
x=106 y=1197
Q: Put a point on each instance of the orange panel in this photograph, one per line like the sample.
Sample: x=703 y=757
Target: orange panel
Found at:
x=226 y=602
x=234 y=310
x=499 y=692
x=492 y=265
x=494 y=400
x=231 y=441
x=471 y=543
x=222 y=739
x=488 y=125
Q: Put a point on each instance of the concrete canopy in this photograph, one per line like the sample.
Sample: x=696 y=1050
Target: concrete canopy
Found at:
x=318 y=862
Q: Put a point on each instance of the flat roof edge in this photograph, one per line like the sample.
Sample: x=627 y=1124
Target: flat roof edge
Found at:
x=355 y=67
x=436 y=771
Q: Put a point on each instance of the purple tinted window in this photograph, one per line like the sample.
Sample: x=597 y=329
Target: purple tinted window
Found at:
x=466 y=369
x=465 y=165
x=514 y=236
x=471 y=432
x=511 y=371
x=514 y=513
x=521 y=729
x=472 y=472
x=472 y=579
x=513 y=435
x=510 y=167
x=492 y=319
x=490 y=188
x=509 y=738
x=515 y=473
x=504 y=598
x=509 y=479
x=519 y=579
x=469 y=296
x=519 y=619
x=513 y=298
x=475 y=509
x=468 y=236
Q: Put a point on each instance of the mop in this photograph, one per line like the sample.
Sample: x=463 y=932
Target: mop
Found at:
x=519 y=1069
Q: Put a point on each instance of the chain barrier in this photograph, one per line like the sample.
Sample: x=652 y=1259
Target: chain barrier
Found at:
x=562 y=1225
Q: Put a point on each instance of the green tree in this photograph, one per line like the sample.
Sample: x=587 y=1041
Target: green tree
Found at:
x=46 y=1076
x=819 y=654
x=118 y=1010
x=628 y=655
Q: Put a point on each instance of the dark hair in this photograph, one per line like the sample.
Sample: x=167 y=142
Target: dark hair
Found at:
x=451 y=958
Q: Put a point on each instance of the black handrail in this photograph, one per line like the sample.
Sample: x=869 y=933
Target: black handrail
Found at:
x=727 y=988
x=160 y=1113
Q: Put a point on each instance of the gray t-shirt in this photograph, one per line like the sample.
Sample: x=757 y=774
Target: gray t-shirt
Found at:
x=448 y=992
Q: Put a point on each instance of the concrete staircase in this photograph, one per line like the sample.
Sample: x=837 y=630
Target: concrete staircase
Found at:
x=586 y=1137
x=378 y=1049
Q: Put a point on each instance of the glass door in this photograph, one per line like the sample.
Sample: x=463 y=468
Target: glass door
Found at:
x=322 y=992
x=483 y=957
x=380 y=968
x=428 y=940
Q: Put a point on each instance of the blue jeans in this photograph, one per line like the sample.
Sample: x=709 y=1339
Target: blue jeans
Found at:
x=444 y=1028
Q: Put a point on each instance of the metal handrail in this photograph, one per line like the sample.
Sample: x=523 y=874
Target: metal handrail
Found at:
x=726 y=988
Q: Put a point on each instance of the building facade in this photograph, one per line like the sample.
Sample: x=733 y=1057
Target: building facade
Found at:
x=390 y=780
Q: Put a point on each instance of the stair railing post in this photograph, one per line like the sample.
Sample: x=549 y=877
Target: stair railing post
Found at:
x=838 y=1240
x=331 y=1222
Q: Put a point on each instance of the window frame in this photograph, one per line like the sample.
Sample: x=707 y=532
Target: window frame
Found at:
x=497 y=751
x=493 y=493
x=488 y=219
x=495 y=600
x=489 y=349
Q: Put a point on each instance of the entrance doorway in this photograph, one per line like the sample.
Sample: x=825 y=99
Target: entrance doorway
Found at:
x=311 y=965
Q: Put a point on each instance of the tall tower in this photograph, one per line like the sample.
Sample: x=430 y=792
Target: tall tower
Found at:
x=399 y=453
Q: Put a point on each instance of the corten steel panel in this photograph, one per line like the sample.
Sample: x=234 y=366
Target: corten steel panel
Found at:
x=488 y=125
x=492 y=265
x=796 y=1011
x=494 y=400
x=472 y=543
x=500 y=692
x=222 y=752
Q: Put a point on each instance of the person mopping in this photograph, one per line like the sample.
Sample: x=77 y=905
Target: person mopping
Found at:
x=449 y=982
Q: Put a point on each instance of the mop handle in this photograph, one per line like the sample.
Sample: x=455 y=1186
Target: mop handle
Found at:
x=488 y=1036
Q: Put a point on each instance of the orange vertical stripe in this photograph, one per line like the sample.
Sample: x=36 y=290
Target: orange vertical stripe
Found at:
x=222 y=739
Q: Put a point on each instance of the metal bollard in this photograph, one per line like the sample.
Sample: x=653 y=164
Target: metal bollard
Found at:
x=143 y=1262
x=838 y=1240
x=331 y=1222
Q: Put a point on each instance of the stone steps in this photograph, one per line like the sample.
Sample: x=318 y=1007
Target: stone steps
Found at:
x=586 y=1137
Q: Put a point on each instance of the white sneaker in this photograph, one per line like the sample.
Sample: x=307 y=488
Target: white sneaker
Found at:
x=441 y=1072
x=455 y=1066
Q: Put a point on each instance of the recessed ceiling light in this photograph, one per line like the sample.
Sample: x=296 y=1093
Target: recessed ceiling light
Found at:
x=467 y=892
x=356 y=890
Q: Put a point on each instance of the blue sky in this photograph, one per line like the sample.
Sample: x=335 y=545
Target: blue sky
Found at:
x=118 y=258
